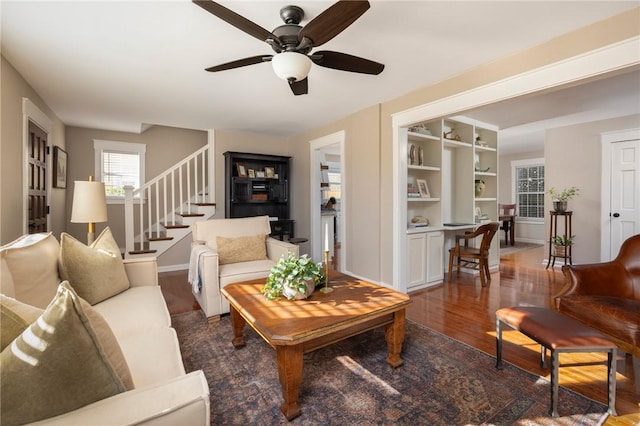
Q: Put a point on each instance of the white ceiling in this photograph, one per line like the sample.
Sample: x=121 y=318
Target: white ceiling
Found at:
x=523 y=121
x=125 y=65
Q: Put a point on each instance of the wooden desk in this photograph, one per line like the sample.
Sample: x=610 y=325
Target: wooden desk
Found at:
x=296 y=327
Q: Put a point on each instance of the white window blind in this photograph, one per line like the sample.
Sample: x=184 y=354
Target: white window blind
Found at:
x=119 y=164
x=120 y=169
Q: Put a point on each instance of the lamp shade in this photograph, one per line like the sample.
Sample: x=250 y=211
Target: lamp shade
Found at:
x=291 y=65
x=89 y=202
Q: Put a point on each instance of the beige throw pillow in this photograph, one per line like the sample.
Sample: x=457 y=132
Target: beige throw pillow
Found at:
x=66 y=359
x=241 y=249
x=29 y=270
x=15 y=317
x=95 y=272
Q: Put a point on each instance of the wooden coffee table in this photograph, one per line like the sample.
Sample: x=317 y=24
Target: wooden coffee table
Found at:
x=296 y=327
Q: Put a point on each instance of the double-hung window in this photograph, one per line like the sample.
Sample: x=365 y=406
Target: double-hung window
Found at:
x=119 y=164
x=528 y=184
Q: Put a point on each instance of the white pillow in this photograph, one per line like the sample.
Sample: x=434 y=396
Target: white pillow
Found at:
x=29 y=269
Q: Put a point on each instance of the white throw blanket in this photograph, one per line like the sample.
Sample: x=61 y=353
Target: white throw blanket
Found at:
x=197 y=251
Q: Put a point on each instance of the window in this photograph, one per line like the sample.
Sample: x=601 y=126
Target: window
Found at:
x=119 y=164
x=528 y=176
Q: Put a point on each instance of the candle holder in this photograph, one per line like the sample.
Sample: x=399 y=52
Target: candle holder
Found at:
x=326 y=288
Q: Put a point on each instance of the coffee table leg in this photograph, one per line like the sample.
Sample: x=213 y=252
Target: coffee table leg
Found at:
x=237 y=322
x=394 y=334
x=289 y=360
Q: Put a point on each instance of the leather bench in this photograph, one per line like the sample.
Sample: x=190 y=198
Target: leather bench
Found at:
x=558 y=333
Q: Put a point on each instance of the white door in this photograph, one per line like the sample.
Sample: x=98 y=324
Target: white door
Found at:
x=625 y=193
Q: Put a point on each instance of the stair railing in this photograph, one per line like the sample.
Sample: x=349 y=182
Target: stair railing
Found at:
x=173 y=192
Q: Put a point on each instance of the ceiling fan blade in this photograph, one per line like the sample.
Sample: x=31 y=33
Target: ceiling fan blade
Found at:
x=237 y=21
x=333 y=21
x=240 y=63
x=344 y=62
x=300 y=87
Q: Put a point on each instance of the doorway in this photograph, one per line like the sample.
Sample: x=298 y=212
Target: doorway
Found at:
x=327 y=163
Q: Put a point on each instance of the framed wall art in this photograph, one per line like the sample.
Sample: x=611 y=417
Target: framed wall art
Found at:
x=60 y=167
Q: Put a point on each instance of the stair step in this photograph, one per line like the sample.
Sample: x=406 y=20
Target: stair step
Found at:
x=204 y=204
x=142 y=251
x=137 y=249
x=191 y=214
x=175 y=226
x=162 y=236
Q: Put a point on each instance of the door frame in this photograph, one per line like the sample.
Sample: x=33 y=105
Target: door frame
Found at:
x=593 y=64
x=607 y=140
x=315 y=177
x=30 y=112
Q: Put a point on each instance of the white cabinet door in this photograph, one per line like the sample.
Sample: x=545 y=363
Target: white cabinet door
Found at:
x=435 y=256
x=417 y=264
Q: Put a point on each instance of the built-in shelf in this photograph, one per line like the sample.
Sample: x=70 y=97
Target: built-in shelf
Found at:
x=450 y=143
x=485 y=148
x=429 y=168
x=422 y=199
x=446 y=156
x=423 y=136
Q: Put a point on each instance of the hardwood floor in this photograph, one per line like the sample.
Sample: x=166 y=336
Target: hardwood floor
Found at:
x=465 y=311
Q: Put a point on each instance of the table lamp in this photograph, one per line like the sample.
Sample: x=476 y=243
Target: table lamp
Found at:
x=89 y=205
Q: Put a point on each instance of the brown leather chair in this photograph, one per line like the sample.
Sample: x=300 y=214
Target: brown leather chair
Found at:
x=507 y=216
x=479 y=256
x=606 y=296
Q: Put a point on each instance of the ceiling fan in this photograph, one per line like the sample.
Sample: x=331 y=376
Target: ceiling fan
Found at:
x=293 y=43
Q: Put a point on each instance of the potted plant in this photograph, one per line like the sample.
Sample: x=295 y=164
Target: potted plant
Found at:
x=560 y=244
x=560 y=198
x=293 y=277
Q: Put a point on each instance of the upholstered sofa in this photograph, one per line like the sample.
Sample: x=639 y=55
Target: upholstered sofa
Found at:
x=149 y=385
x=606 y=296
x=226 y=251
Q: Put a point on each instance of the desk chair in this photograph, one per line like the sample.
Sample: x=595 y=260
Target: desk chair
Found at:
x=476 y=255
x=507 y=217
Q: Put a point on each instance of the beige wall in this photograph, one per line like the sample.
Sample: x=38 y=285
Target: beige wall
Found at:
x=13 y=88
x=242 y=142
x=165 y=146
x=574 y=158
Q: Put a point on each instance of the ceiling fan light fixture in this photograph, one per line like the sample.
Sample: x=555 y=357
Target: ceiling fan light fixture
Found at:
x=291 y=66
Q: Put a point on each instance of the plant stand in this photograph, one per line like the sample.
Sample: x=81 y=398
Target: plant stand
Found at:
x=553 y=232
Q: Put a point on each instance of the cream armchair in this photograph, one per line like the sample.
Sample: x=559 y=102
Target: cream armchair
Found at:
x=226 y=251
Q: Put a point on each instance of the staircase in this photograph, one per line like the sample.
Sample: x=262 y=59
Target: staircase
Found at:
x=171 y=203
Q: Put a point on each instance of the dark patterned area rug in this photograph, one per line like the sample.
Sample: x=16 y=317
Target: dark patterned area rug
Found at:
x=443 y=382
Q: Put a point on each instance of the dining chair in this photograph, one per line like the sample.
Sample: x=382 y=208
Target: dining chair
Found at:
x=476 y=256
x=507 y=217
